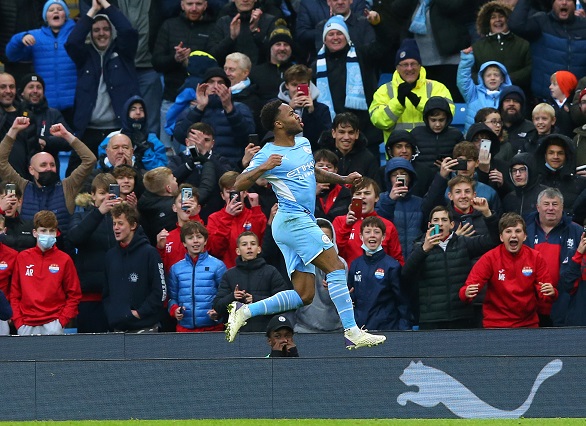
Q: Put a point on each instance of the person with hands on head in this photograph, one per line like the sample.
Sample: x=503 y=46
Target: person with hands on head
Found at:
x=193 y=283
x=280 y=338
x=287 y=163
x=46 y=190
x=91 y=235
x=106 y=75
x=516 y=279
x=251 y=280
x=242 y=212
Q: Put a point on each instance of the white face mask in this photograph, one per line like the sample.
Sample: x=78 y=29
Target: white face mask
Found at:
x=46 y=241
x=369 y=251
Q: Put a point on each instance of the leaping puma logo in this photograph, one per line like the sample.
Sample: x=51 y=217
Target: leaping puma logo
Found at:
x=437 y=387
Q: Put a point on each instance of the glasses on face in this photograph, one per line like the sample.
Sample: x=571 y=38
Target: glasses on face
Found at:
x=494 y=122
x=519 y=171
x=406 y=65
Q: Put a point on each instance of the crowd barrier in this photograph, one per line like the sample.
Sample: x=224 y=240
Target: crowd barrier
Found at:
x=423 y=374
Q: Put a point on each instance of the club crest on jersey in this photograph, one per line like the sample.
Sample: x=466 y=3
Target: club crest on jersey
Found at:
x=53 y=268
x=527 y=271
x=3 y=266
x=379 y=274
x=247 y=226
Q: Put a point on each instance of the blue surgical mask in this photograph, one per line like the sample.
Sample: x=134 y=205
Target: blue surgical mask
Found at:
x=369 y=251
x=46 y=241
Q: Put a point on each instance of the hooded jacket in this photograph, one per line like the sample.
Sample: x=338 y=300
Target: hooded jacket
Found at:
x=50 y=61
x=405 y=212
x=149 y=151
x=115 y=65
x=564 y=178
x=518 y=132
x=477 y=95
x=257 y=278
x=194 y=287
x=507 y=48
x=387 y=113
x=556 y=44
x=313 y=123
x=523 y=199
x=156 y=213
x=432 y=145
x=135 y=280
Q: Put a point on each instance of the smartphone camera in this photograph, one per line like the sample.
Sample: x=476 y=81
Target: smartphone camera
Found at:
x=303 y=89
x=114 y=190
x=235 y=194
x=356 y=207
x=186 y=194
x=10 y=188
x=253 y=138
x=462 y=164
x=435 y=230
x=401 y=180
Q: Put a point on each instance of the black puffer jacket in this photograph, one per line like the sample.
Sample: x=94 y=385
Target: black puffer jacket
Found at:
x=431 y=144
x=257 y=278
x=437 y=276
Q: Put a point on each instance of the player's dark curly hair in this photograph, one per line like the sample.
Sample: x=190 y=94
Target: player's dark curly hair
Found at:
x=268 y=114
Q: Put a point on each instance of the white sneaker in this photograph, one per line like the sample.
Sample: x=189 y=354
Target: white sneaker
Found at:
x=362 y=340
x=236 y=320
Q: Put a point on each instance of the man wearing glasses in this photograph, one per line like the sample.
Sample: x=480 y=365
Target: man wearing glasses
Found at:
x=523 y=198
x=399 y=103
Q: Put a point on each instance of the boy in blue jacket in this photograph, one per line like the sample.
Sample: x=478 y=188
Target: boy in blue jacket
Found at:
x=374 y=283
x=193 y=283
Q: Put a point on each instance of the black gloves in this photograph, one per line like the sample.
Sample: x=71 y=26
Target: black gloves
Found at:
x=404 y=90
x=413 y=98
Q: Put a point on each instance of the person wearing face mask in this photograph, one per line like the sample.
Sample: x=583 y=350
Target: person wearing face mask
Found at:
x=45 y=289
x=46 y=190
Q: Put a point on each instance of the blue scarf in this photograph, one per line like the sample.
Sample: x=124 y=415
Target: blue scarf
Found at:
x=355 y=98
x=418 y=23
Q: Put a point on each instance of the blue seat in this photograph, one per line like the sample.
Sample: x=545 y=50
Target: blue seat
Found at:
x=459 y=120
x=385 y=78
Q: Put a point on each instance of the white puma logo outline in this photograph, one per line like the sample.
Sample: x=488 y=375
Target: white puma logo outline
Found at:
x=438 y=387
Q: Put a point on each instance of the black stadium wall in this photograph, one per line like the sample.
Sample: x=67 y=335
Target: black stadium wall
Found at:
x=423 y=374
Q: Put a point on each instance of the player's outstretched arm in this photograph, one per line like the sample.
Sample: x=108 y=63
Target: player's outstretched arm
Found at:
x=322 y=176
x=247 y=179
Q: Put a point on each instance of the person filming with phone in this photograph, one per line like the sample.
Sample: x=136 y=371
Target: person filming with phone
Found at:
x=438 y=267
x=241 y=213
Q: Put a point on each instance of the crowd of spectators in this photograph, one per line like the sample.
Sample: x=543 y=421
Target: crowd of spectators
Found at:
x=155 y=105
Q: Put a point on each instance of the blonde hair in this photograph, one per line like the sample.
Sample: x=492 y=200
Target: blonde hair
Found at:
x=543 y=108
x=155 y=180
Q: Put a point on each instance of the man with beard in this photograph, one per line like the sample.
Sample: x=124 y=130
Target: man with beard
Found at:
x=46 y=191
x=37 y=135
x=8 y=112
x=232 y=121
x=511 y=107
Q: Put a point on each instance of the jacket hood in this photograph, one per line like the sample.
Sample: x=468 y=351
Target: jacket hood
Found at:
x=285 y=96
x=399 y=163
x=437 y=102
x=324 y=223
x=401 y=135
x=567 y=144
x=516 y=92
x=113 y=33
x=483 y=17
x=138 y=240
x=476 y=128
x=527 y=160
x=506 y=79
x=133 y=125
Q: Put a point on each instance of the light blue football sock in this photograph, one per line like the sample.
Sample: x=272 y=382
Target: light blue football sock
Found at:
x=338 y=288
x=286 y=300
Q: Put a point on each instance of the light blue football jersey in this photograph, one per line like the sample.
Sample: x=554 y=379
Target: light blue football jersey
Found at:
x=294 y=180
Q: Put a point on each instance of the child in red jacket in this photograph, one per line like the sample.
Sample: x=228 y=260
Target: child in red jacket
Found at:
x=517 y=276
